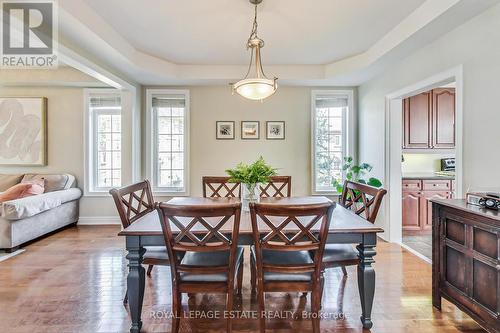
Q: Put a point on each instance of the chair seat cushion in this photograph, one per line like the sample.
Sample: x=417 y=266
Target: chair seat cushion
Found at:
x=339 y=252
x=156 y=252
x=284 y=258
x=216 y=258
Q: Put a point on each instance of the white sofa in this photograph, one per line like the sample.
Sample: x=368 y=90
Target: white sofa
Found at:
x=25 y=219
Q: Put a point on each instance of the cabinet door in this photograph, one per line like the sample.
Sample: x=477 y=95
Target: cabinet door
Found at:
x=443 y=115
x=411 y=210
x=426 y=206
x=417 y=121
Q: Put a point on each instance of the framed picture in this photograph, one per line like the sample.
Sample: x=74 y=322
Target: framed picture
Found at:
x=225 y=130
x=250 y=130
x=275 y=130
x=23 y=131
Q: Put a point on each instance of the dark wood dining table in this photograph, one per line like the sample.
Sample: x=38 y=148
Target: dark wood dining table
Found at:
x=345 y=228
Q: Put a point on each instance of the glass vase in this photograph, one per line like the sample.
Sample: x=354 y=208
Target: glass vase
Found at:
x=250 y=193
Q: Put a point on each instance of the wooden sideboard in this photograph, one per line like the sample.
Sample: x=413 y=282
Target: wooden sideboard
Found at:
x=465 y=260
x=417 y=193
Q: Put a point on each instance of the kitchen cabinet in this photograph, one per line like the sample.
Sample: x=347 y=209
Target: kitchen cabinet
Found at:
x=417 y=208
x=429 y=120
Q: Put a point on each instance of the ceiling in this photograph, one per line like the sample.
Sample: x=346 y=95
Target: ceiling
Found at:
x=308 y=42
x=214 y=32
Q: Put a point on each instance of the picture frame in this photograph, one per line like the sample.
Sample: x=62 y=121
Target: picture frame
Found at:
x=250 y=130
x=30 y=148
x=224 y=130
x=275 y=130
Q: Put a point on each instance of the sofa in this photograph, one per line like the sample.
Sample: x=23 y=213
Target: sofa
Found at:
x=25 y=219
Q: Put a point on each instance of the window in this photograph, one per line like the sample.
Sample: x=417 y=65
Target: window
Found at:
x=104 y=141
x=168 y=152
x=330 y=113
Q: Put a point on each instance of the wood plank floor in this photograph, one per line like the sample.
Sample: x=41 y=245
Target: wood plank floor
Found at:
x=74 y=281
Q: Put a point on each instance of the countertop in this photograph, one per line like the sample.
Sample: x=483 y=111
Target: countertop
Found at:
x=461 y=204
x=425 y=175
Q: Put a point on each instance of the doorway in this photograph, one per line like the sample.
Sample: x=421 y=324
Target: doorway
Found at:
x=394 y=148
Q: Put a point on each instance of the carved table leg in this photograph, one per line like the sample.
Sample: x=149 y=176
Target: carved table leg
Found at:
x=135 y=281
x=366 y=277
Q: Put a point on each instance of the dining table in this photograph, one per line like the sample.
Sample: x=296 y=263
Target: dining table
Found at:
x=345 y=228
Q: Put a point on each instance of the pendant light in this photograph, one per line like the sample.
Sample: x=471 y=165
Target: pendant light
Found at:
x=258 y=86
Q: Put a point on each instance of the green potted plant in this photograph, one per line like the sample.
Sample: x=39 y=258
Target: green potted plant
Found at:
x=250 y=176
x=356 y=173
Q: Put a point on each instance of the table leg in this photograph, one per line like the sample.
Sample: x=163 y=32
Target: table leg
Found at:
x=366 y=277
x=135 y=282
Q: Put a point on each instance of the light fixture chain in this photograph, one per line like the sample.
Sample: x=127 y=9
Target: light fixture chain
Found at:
x=255 y=25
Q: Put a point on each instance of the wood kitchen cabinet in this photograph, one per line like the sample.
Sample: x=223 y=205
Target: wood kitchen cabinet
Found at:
x=429 y=120
x=417 y=208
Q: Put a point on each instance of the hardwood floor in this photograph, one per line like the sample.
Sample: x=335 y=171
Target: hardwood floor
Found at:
x=74 y=281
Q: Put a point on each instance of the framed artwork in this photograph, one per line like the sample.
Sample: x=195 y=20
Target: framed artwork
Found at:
x=275 y=130
x=250 y=130
x=225 y=130
x=23 y=131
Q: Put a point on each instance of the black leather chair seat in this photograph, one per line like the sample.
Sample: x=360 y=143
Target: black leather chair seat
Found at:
x=216 y=258
x=284 y=258
x=339 y=252
x=156 y=252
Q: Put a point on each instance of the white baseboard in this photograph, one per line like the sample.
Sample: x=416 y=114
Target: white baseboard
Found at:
x=99 y=220
x=415 y=253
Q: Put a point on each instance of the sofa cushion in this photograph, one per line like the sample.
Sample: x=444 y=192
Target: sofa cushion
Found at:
x=30 y=206
x=7 y=181
x=52 y=182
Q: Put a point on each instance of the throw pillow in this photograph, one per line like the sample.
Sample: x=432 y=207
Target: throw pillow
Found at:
x=15 y=192
x=37 y=187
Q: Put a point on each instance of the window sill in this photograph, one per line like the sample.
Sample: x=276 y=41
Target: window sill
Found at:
x=96 y=194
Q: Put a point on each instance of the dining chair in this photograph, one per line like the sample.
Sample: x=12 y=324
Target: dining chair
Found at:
x=363 y=200
x=220 y=187
x=285 y=234
x=135 y=202
x=277 y=187
x=202 y=236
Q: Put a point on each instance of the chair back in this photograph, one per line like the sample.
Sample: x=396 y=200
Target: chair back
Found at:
x=133 y=201
x=200 y=225
x=220 y=187
x=362 y=199
x=277 y=187
x=291 y=224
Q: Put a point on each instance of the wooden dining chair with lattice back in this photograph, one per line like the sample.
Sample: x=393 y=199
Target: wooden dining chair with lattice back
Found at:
x=202 y=235
x=363 y=200
x=277 y=187
x=289 y=236
x=135 y=202
x=220 y=187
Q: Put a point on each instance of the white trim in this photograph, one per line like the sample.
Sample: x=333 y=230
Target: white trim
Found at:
x=415 y=253
x=10 y=255
x=348 y=131
x=89 y=147
x=393 y=149
x=150 y=141
x=99 y=220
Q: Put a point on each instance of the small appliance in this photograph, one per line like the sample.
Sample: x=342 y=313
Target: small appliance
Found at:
x=489 y=200
x=448 y=164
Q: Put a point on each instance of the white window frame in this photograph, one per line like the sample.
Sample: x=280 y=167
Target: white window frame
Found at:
x=152 y=146
x=348 y=133
x=90 y=142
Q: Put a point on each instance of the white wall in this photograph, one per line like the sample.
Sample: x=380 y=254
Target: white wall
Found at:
x=210 y=157
x=422 y=162
x=475 y=45
x=65 y=140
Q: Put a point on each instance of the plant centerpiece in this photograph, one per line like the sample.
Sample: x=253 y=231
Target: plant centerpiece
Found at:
x=250 y=176
x=356 y=173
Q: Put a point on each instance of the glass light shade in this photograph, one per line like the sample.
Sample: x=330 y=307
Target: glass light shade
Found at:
x=255 y=88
